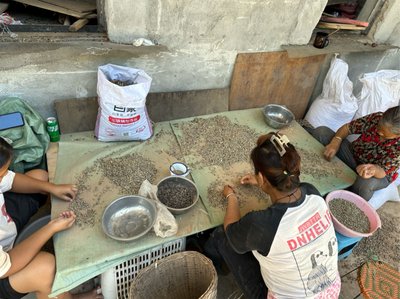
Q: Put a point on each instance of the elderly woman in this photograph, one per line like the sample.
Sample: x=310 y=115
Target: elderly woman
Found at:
x=374 y=155
x=288 y=250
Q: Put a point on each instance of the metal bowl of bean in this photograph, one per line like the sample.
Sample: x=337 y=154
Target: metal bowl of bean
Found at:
x=178 y=194
x=129 y=217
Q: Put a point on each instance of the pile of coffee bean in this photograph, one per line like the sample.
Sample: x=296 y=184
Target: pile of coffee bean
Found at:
x=126 y=173
x=243 y=193
x=85 y=214
x=122 y=83
x=384 y=244
x=348 y=214
x=217 y=140
x=312 y=164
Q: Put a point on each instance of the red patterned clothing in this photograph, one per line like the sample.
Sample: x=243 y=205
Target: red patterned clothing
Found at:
x=370 y=148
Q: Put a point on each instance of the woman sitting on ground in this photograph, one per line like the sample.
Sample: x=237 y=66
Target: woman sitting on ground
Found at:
x=374 y=155
x=288 y=250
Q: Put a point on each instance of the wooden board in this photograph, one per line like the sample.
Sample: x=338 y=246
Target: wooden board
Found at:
x=265 y=78
x=164 y=106
x=344 y=21
x=76 y=115
x=328 y=25
x=76 y=5
x=56 y=8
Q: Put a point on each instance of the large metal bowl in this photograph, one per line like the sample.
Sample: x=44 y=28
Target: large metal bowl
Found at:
x=129 y=217
x=177 y=193
x=277 y=116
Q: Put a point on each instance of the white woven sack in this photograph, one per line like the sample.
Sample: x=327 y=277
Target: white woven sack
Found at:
x=336 y=105
x=122 y=114
x=380 y=91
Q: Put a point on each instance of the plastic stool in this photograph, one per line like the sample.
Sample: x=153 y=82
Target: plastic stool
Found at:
x=346 y=245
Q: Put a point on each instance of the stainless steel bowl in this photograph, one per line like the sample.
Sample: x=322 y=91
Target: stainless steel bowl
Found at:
x=129 y=217
x=178 y=194
x=277 y=116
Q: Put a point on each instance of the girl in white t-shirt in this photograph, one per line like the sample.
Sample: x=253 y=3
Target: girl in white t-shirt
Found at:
x=24 y=268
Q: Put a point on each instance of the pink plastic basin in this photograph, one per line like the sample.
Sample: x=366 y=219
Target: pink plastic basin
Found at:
x=363 y=205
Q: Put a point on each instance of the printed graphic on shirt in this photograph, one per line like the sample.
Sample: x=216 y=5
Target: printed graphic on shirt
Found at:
x=5 y=214
x=315 y=272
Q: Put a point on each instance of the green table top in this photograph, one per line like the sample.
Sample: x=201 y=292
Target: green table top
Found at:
x=84 y=251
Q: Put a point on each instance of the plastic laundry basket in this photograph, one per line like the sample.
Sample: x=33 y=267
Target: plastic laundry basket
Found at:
x=184 y=275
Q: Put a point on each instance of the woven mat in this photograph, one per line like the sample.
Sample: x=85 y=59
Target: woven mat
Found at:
x=379 y=280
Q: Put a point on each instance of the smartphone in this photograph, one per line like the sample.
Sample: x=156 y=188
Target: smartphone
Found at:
x=11 y=120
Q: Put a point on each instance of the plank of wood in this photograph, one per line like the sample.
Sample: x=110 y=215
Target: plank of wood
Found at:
x=272 y=77
x=75 y=5
x=76 y=115
x=51 y=7
x=163 y=106
x=78 y=24
x=344 y=21
x=328 y=25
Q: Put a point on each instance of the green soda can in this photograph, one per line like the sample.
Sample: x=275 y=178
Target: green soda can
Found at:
x=52 y=129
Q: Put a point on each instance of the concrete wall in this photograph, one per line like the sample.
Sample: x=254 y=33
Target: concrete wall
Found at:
x=197 y=45
x=386 y=28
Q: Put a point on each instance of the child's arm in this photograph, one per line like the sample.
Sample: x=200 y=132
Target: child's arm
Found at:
x=23 y=253
x=26 y=184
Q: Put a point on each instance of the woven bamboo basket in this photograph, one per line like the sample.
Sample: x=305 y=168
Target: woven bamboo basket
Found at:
x=183 y=275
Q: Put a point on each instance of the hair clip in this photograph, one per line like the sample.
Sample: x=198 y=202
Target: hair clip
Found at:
x=279 y=142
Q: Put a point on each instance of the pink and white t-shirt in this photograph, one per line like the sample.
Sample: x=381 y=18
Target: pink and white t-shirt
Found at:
x=295 y=245
x=8 y=230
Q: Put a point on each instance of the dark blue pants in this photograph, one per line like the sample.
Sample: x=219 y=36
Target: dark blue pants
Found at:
x=21 y=207
x=244 y=267
x=363 y=187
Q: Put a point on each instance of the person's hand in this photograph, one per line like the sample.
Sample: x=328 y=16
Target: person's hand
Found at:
x=331 y=149
x=228 y=189
x=249 y=179
x=65 y=220
x=366 y=171
x=65 y=192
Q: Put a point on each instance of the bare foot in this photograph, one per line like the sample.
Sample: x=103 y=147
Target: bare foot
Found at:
x=93 y=294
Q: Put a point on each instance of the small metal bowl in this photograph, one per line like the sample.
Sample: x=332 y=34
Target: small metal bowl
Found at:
x=277 y=116
x=129 y=217
x=177 y=193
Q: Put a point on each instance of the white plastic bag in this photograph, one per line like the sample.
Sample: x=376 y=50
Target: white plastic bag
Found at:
x=165 y=225
x=336 y=105
x=122 y=114
x=390 y=193
x=380 y=91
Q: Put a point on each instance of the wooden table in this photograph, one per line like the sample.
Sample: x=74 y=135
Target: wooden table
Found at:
x=83 y=254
